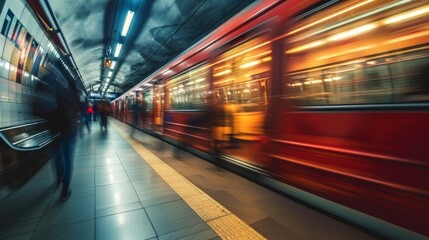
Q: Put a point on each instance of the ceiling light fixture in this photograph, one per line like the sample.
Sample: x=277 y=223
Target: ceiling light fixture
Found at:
x=127 y=23
x=118 y=49
x=113 y=65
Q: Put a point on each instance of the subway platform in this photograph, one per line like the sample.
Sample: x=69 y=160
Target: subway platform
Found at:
x=129 y=185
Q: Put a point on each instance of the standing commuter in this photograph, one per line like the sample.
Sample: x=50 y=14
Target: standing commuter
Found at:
x=95 y=109
x=104 y=110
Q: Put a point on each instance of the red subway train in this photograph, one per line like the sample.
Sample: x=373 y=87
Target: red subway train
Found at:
x=330 y=98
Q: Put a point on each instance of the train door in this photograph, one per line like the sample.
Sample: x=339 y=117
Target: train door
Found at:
x=158 y=108
x=138 y=109
x=148 y=108
x=355 y=108
x=240 y=78
x=186 y=104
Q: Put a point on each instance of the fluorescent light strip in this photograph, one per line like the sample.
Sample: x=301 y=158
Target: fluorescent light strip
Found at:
x=222 y=73
x=127 y=23
x=109 y=74
x=113 y=65
x=118 y=49
x=378 y=10
x=330 y=16
x=353 y=32
x=407 y=15
x=250 y=64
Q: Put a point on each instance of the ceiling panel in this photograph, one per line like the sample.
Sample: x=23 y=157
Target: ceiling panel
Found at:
x=160 y=31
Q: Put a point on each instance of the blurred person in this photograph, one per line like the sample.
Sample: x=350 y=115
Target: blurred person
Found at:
x=59 y=105
x=219 y=119
x=63 y=120
x=231 y=124
x=104 y=110
x=217 y=116
x=95 y=109
x=85 y=115
x=88 y=115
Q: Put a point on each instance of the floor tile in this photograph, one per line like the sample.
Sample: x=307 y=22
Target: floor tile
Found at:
x=85 y=157
x=305 y=221
x=154 y=194
x=127 y=154
x=35 y=188
x=80 y=206
x=107 y=160
x=198 y=231
x=18 y=228
x=105 y=151
x=172 y=216
x=141 y=174
x=123 y=146
x=17 y=211
x=128 y=225
x=110 y=178
x=115 y=195
x=109 y=168
x=47 y=171
x=82 y=230
x=118 y=209
x=134 y=165
x=84 y=172
x=25 y=236
x=272 y=229
x=84 y=152
x=83 y=163
x=131 y=159
x=340 y=231
x=82 y=181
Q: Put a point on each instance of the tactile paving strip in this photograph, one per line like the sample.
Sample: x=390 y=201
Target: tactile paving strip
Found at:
x=231 y=227
x=220 y=219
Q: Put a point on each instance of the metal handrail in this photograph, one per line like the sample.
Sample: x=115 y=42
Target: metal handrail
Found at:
x=32 y=148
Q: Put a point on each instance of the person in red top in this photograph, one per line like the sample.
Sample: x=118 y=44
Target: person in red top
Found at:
x=88 y=116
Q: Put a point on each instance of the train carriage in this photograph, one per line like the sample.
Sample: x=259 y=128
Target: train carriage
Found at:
x=328 y=97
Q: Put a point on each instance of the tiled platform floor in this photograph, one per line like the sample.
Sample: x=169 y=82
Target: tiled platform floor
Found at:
x=117 y=195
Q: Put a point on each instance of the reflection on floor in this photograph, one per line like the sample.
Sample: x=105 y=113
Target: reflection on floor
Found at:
x=117 y=195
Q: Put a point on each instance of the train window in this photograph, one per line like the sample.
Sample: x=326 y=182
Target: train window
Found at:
x=240 y=75
x=358 y=52
x=132 y=100
x=148 y=99
x=188 y=90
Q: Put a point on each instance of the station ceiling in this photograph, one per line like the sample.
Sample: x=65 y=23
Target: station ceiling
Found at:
x=160 y=30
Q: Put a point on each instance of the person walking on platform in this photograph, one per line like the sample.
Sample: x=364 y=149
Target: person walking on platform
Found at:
x=86 y=111
x=63 y=120
x=95 y=109
x=104 y=110
x=88 y=116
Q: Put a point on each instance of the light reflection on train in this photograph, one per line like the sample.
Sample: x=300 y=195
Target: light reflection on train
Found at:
x=331 y=99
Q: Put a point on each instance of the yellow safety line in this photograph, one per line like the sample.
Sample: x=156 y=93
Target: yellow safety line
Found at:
x=220 y=219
